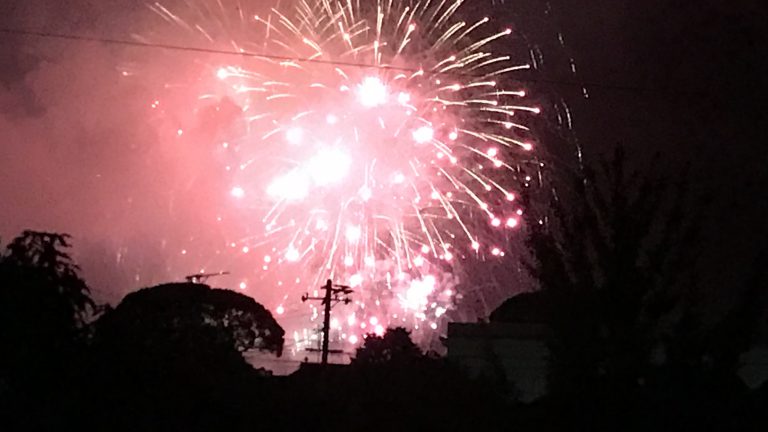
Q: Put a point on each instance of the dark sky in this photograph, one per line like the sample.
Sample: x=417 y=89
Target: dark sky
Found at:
x=705 y=106
x=679 y=77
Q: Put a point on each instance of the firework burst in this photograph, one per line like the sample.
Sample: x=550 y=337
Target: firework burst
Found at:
x=378 y=143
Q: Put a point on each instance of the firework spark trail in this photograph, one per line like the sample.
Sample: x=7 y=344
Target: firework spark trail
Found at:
x=383 y=151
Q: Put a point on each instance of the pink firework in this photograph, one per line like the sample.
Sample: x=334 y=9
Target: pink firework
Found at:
x=377 y=144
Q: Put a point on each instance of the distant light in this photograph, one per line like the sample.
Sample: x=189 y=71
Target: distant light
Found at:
x=353 y=339
x=329 y=166
x=355 y=280
x=453 y=136
x=424 y=249
x=417 y=295
x=365 y=193
x=492 y=152
x=294 y=135
x=237 y=192
x=222 y=73
x=511 y=222
x=348 y=261
x=293 y=186
x=245 y=249
x=280 y=310
x=243 y=285
x=399 y=178
x=527 y=146
x=495 y=222
x=373 y=321
x=379 y=330
x=292 y=254
x=423 y=134
x=372 y=92
x=353 y=233
x=496 y=251
x=331 y=119
x=403 y=98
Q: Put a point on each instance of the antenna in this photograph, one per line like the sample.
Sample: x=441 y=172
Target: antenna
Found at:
x=199 y=278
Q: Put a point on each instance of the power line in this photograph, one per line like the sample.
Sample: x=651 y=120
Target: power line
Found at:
x=172 y=47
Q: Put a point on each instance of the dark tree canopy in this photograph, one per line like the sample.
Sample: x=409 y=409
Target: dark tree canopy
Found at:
x=395 y=346
x=37 y=271
x=615 y=257
x=44 y=304
x=180 y=313
x=44 y=310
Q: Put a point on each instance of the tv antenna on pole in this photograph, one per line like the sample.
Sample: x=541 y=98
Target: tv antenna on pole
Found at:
x=201 y=278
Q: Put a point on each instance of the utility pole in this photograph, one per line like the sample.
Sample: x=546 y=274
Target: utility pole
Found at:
x=333 y=293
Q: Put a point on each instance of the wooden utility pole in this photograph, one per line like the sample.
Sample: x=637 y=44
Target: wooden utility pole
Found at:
x=333 y=293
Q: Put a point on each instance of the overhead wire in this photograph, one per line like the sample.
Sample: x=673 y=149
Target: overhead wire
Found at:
x=275 y=57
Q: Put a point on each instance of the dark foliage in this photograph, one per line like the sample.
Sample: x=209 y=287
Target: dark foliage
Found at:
x=616 y=259
x=44 y=309
x=394 y=347
x=170 y=357
x=167 y=349
x=392 y=385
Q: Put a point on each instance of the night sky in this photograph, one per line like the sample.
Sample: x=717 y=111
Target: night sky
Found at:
x=677 y=77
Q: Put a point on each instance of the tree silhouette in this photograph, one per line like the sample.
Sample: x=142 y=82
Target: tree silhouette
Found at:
x=615 y=257
x=191 y=318
x=395 y=346
x=44 y=311
x=170 y=347
x=746 y=323
x=392 y=385
x=39 y=260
